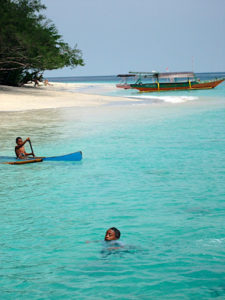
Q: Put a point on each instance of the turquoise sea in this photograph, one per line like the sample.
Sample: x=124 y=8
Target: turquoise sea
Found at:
x=155 y=169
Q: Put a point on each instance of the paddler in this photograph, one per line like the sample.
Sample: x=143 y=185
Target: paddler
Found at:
x=20 y=150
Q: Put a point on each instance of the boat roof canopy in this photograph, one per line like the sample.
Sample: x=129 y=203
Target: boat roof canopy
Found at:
x=126 y=75
x=165 y=75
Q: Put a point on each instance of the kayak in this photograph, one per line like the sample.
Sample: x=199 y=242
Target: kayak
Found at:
x=76 y=156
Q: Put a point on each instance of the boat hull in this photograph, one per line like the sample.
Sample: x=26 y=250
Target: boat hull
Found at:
x=24 y=161
x=173 y=86
x=76 y=156
x=123 y=86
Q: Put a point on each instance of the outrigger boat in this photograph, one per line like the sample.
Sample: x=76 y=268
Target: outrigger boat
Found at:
x=76 y=156
x=123 y=84
x=168 y=81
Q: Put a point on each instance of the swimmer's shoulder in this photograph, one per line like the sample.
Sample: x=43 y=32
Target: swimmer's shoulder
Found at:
x=115 y=243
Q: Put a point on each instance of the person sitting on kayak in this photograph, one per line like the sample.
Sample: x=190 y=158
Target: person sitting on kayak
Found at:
x=20 y=150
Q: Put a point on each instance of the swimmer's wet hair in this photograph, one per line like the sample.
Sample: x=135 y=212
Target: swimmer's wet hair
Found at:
x=18 y=138
x=117 y=232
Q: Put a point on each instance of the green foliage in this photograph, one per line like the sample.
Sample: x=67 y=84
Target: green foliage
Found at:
x=30 y=43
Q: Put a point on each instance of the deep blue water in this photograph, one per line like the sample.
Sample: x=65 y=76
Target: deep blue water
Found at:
x=156 y=172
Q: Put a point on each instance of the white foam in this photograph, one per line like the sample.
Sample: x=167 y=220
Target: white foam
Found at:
x=168 y=99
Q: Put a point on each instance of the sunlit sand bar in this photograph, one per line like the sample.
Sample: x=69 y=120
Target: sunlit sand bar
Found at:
x=56 y=95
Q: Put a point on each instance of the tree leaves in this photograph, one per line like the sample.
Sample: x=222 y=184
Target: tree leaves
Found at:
x=30 y=43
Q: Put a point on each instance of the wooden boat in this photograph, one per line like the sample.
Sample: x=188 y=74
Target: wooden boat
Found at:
x=124 y=84
x=76 y=156
x=171 y=82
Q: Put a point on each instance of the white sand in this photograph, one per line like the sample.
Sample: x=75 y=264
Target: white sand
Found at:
x=55 y=96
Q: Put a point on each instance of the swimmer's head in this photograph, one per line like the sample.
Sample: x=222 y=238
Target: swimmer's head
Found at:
x=19 y=140
x=112 y=234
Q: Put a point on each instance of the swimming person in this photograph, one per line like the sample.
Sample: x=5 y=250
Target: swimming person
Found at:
x=111 y=244
x=111 y=235
x=111 y=238
x=20 y=150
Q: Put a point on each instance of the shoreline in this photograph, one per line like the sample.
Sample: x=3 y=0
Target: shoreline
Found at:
x=67 y=95
x=56 y=95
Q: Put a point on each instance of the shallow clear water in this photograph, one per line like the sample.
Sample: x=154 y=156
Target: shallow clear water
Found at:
x=156 y=172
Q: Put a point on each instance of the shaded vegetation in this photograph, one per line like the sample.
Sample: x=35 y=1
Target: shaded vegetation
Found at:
x=30 y=43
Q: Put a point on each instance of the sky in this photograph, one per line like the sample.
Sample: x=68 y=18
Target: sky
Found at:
x=119 y=36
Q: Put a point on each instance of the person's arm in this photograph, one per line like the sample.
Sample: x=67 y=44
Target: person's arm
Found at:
x=28 y=139
x=88 y=242
x=27 y=154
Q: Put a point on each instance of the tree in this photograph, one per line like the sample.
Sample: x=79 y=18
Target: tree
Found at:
x=30 y=43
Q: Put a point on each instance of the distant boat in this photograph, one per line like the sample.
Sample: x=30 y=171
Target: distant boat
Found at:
x=169 y=81
x=123 y=84
x=76 y=156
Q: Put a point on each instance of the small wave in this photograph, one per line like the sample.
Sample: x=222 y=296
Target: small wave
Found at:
x=168 y=99
x=212 y=242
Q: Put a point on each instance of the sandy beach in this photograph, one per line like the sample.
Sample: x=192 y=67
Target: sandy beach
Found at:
x=56 y=95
